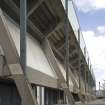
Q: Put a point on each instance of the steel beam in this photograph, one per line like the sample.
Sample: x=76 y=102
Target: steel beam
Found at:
x=71 y=42
x=23 y=32
x=79 y=60
x=29 y=23
x=34 y=28
x=88 y=76
x=57 y=27
x=66 y=43
x=85 y=69
x=35 y=7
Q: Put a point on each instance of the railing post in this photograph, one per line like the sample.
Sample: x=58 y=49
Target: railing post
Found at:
x=23 y=31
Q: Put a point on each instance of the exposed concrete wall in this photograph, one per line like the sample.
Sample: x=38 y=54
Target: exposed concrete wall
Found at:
x=64 y=74
x=35 y=56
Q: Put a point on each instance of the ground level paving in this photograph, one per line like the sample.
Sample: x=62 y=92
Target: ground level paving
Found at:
x=97 y=102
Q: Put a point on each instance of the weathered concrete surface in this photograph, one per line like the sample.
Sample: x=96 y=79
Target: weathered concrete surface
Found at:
x=97 y=102
x=79 y=103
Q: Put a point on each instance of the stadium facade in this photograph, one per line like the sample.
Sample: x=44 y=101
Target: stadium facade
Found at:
x=44 y=81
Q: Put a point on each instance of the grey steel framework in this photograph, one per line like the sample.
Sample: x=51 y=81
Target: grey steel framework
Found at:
x=67 y=44
x=23 y=31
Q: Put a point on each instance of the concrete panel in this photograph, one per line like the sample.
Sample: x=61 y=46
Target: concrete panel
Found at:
x=64 y=74
x=39 y=78
x=35 y=56
x=12 y=60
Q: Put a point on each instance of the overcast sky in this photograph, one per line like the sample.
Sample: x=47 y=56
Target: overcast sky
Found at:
x=91 y=14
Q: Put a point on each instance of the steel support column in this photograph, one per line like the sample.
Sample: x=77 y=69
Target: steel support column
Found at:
x=88 y=75
x=79 y=60
x=23 y=31
x=66 y=43
x=85 y=69
x=90 y=80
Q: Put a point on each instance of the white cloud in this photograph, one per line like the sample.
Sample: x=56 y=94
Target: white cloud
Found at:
x=90 y=5
x=96 y=47
x=101 y=29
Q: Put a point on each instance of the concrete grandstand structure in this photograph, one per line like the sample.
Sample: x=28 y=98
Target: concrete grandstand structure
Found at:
x=44 y=82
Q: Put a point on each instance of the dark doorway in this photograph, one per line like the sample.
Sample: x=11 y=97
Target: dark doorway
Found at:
x=9 y=95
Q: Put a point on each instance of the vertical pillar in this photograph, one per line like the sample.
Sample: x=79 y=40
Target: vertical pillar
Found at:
x=88 y=82
x=88 y=76
x=67 y=43
x=79 y=60
x=38 y=95
x=23 y=31
x=2 y=61
x=43 y=92
x=85 y=68
x=99 y=88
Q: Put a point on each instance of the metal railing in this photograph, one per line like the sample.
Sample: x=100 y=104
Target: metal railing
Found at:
x=75 y=25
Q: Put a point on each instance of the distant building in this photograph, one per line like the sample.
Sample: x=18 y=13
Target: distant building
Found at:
x=100 y=93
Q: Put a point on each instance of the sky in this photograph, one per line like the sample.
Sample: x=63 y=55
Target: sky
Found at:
x=91 y=16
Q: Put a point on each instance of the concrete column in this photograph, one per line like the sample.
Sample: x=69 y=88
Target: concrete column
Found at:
x=2 y=61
